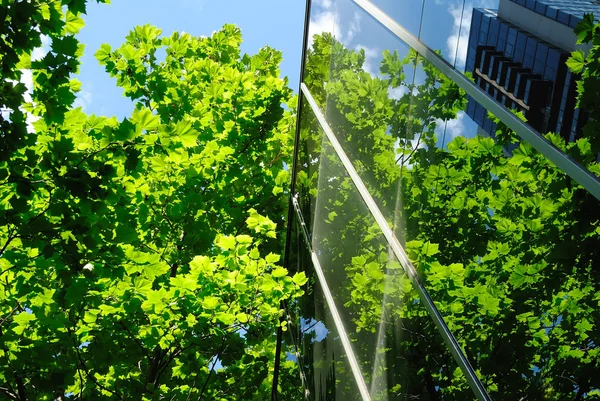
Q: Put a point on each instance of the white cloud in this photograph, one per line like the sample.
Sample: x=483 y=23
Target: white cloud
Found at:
x=84 y=98
x=453 y=128
x=458 y=41
x=456 y=127
x=353 y=28
x=329 y=21
x=397 y=93
x=371 y=59
x=27 y=80
x=39 y=52
x=323 y=22
x=326 y=4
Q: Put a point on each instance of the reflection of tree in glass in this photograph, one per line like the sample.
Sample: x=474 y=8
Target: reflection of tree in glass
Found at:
x=505 y=245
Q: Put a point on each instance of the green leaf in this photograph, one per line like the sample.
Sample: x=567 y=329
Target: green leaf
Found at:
x=300 y=278
x=226 y=242
x=457 y=307
x=243 y=239
x=431 y=249
x=584 y=146
x=74 y=23
x=254 y=253
x=576 y=62
x=584 y=30
x=280 y=272
x=583 y=327
x=154 y=301
x=226 y=318
x=272 y=258
x=186 y=283
x=201 y=264
x=210 y=302
x=155 y=269
x=103 y=53
x=24 y=318
x=128 y=52
x=142 y=284
x=145 y=120
x=490 y=304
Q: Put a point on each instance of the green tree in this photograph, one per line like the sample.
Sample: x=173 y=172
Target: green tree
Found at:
x=588 y=65
x=505 y=243
x=137 y=260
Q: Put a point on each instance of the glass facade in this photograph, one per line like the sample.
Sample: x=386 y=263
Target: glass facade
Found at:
x=513 y=61
x=450 y=247
x=569 y=12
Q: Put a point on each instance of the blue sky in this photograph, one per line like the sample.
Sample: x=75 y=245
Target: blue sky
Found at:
x=274 y=22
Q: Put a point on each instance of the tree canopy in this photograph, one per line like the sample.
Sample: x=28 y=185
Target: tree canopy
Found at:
x=139 y=259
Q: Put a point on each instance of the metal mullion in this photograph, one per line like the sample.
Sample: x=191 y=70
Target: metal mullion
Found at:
x=563 y=161
x=400 y=254
x=286 y=256
x=337 y=319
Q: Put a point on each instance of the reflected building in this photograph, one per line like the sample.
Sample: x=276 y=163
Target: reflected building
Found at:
x=517 y=54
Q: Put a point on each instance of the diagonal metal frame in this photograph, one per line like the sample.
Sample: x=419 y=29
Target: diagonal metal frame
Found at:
x=462 y=361
x=335 y=314
x=563 y=161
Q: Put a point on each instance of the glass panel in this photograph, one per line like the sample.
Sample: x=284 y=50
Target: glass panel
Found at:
x=407 y=13
x=322 y=28
x=368 y=97
x=506 y=243
x=399 y=352
x=516 y=51
x=314 y=342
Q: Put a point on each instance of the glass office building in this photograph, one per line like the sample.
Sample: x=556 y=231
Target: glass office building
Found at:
x=517 y=53
x=441 y=267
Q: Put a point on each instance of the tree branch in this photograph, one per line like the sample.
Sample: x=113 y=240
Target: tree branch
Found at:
x=87 y=372
x=22 y=396
x=144 y=350
x=212 y=368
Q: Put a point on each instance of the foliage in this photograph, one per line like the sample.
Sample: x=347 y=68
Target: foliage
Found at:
x=588 y=65
x=505 y=243
x=24 y=24
x=136 y=257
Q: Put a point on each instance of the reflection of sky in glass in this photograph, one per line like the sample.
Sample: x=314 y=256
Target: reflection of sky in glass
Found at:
x=445 y=24
x=445 y=27
x=313 y=326
x=291 y=357
x=489 y=198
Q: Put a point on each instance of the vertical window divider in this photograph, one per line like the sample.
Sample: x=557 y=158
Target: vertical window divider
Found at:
x=337 y=319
